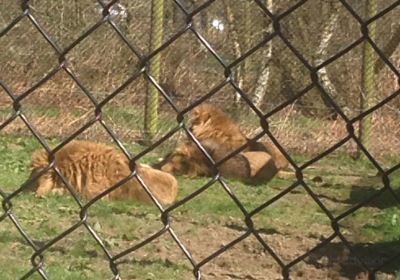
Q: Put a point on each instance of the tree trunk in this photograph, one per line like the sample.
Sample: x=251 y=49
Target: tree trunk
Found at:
x=152 y=102
x=368 y=78
x=237 y=49
x=321 y=52
x=388 y=50
x=263 y=79
x=246 y=31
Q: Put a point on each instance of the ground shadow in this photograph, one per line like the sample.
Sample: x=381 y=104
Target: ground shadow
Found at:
x=361 y=194
x=385 y=256
x=383 y=201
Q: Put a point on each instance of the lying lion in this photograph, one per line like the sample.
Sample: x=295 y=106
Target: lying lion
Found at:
x=91 y=168
x=220 y=135
x=250 y=166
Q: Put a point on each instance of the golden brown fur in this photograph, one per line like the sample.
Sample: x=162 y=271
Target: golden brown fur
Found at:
x=215 y=130
x=187 y=159
x=251 y=167
x=91 y=168
x=279 y=159
x=209 y=123
x=220 y=136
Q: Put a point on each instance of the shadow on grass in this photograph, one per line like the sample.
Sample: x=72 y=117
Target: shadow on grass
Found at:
x=383 y=201
x=361 y=194
x=383 y=256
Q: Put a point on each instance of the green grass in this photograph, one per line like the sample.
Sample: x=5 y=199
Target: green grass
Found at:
x=129 y=118
x=126 y=116
x=33 y=111
x=121 y=224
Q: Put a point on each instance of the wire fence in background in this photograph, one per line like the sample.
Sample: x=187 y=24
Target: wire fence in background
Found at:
x=228 y=69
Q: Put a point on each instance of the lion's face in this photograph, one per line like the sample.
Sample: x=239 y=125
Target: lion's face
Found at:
x=187 y=159
x=176 y=165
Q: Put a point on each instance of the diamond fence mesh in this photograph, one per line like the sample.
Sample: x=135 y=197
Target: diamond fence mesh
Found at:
x=227 y=75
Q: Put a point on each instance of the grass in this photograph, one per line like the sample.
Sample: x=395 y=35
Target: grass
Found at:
x=123 y=224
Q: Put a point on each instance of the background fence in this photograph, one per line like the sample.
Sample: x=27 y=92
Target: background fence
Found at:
x=314 y=76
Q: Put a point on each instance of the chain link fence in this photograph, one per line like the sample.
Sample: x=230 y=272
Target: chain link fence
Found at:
x=59 y=55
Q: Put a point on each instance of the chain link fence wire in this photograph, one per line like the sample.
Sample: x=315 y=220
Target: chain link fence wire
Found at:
x=139 y=65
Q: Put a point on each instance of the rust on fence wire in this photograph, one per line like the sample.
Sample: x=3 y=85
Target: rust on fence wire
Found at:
x=146 y=68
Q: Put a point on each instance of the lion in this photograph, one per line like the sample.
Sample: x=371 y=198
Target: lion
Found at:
x=186 y=159
x=220 y=136
x=209 y=123
x=280 y=161
x=254 y=167
x=250 y=167
x=91 y=168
